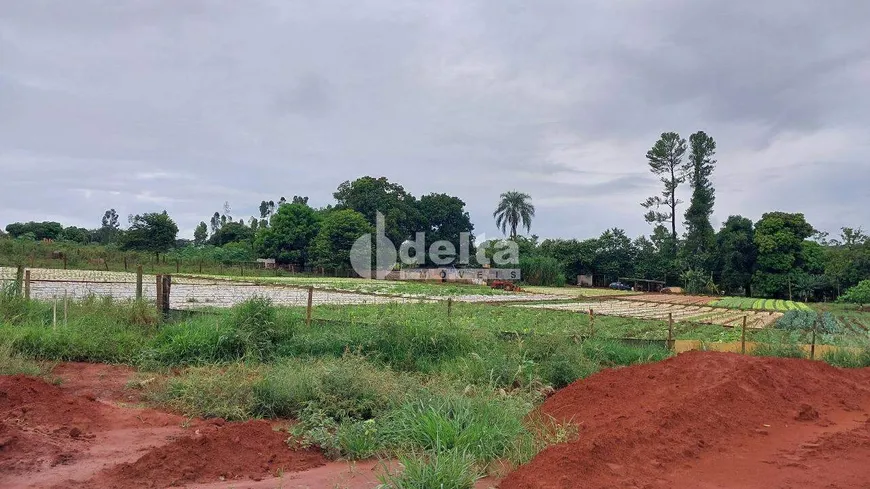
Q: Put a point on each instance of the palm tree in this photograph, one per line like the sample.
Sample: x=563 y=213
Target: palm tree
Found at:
x=513 y=209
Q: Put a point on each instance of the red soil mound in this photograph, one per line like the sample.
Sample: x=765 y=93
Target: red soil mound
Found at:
x=31 y=400
x=39 y=426
x=248 y=450
x=59 y=436
x=656 y=425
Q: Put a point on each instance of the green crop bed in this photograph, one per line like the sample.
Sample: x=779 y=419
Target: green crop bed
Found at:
x=763 y=304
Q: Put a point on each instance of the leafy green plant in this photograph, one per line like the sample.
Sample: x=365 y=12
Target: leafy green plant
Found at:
x=859 y=294
x=441 y=469
x=255 y=322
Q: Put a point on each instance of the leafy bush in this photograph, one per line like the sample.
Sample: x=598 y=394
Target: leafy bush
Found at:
x=541 y=270
x=859 y=294
x=256 y=323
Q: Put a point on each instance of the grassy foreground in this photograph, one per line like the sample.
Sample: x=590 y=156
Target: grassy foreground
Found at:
x=450 y=396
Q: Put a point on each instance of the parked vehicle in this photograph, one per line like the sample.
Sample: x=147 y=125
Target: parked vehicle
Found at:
x=620 y=286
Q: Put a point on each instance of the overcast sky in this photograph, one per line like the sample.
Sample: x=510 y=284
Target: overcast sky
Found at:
x=184 y=104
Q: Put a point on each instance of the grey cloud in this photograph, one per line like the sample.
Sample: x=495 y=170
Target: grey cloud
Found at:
x=244 y=101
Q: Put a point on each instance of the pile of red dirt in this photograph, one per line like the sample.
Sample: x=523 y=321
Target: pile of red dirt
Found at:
x=700 y=419
x=220 y=451
x=39 y=426
x=85 y=434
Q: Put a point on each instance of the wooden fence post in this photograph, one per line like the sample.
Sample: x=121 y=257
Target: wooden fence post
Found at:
x=591 y=323
x=125 y=263
x=65 y=307
x=743 y=337
x=167 y=287
x=813 y=344
x=449 y=306
x=670 y=331
x=54 y=314
x=200 y=266
x=177 y=265
x=19 y=281
x=64 y=261
x=308 y=308
x=159 y=298
x=27 y=285
x=139 y=283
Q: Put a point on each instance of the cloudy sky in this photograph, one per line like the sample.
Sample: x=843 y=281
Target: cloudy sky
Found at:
x=184 y=104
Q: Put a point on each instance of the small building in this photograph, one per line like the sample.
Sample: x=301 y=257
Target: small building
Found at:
x=268 y=263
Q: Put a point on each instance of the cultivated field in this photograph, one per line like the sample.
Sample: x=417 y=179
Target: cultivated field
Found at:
x=193 y=291
x=687 y=312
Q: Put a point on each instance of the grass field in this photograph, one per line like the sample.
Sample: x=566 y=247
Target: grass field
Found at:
x=409 y=381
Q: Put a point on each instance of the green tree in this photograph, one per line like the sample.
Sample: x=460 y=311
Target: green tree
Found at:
x=615 y=255
x=859 y=294
x=779 y=237
x=650 y=260
x=847 y=260
x=110 y=229
x=736 y=255
x=444 y=218
x=514 y=209
x=232 y=232
x=339 y=230
x=76 y=235
x=200 y=234
x=700 y=237
x=289 y=235
x=40 y=230
x=666 y=161
x=369 y=195
x=153 y=232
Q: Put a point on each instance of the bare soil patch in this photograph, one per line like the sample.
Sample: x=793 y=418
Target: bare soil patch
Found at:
x=710 y=420
x=88 y=432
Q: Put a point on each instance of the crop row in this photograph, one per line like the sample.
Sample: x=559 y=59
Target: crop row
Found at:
x=761 y=304
x=663 y=310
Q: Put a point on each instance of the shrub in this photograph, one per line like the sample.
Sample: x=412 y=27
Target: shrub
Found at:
x=256 y=323
x=542 y=270
x=859 y=294
x=560 y=360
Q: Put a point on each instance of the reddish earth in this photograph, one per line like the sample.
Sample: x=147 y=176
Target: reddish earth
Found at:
x=88 y=432
x=710 y=420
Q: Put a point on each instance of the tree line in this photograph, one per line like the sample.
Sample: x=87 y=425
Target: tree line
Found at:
x=780 y=255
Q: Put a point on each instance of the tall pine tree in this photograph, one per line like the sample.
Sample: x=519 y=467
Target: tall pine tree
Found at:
x=666 y=161
x=700 y=237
